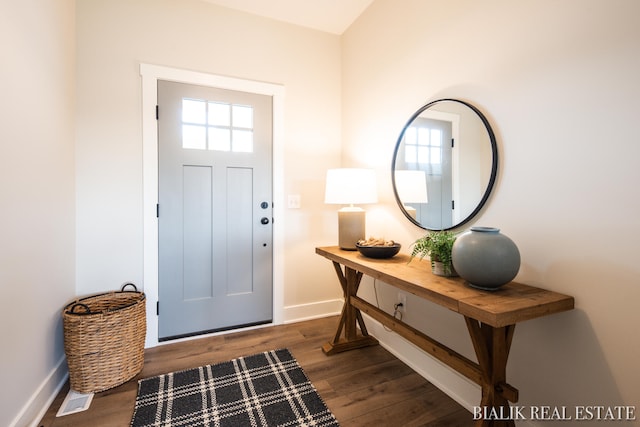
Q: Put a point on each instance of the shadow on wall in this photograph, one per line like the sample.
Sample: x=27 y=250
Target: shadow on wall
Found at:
x=563 y=360
x=558 y=362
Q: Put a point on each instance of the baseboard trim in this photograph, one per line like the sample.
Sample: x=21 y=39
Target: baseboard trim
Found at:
x=459 y=388
x=35 y=408
x=454 y=385
x=314 y=310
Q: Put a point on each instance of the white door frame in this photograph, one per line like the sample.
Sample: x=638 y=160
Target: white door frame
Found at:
x=150 y=76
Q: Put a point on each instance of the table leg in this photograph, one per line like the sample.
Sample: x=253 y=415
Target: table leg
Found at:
x=350 y=317
x=492 y=347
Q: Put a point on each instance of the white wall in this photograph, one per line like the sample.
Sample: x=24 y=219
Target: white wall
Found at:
x=36 y=200
x=72 y=220
x=114 y=37
x=559 y=83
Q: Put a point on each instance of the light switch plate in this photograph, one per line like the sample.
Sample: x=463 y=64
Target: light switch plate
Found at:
x=294 y=201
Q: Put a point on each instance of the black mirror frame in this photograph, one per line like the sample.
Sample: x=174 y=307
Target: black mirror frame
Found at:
x=494 y=164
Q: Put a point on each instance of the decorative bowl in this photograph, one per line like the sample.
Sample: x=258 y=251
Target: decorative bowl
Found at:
x=380 y=252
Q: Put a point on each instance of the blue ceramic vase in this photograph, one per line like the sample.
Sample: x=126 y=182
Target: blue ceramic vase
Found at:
x=485 y=258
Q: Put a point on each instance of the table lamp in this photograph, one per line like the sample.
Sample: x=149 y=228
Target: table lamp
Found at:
x=411 y=187
x=350 y=186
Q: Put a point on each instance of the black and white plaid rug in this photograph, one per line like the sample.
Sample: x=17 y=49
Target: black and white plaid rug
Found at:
x=267 y=389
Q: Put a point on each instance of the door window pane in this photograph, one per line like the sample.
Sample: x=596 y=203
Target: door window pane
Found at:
x=194 y=111
x=436 y=146
x=194 y=136
x=219 y=114
x=219 y=139
x=243 y=116
x=436 y=137
x=423 y=155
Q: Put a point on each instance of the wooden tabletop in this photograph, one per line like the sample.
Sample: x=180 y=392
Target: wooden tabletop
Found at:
x=510 y=304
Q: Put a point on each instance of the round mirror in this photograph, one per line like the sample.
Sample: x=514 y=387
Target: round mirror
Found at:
x=444 y=164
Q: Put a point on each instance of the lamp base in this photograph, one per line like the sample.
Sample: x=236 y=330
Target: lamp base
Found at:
x=351 y=227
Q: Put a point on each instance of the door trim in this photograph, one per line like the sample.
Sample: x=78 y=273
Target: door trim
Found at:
x=150 y=75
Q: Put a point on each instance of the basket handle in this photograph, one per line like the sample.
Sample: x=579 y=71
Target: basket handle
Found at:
x=79 y=304
x=135 y=288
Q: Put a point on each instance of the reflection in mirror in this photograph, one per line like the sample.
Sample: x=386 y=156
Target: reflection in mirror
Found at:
x=444 y=164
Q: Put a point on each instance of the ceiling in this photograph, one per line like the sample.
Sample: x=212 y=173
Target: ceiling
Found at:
x=332 y=16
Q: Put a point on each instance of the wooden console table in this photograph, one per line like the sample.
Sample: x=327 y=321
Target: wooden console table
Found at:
x=490 y=317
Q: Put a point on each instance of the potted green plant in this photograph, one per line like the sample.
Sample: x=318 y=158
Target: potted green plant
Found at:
x=437 y=246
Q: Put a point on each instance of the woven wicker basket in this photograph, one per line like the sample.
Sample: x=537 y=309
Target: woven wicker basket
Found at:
x=104 y=339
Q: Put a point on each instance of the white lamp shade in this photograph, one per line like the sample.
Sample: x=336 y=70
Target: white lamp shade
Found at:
x=350 y=186
x=411 y=186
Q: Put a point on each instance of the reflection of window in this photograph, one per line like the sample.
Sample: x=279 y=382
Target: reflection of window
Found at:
x=217 y=126
x=423 y=145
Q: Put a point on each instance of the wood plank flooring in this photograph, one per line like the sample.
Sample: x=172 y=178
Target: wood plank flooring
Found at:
x=364 y=387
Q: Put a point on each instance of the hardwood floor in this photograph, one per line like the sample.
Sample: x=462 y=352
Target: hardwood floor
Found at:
x=364 y=387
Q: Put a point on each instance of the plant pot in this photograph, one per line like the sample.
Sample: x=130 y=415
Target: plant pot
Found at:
x=440 y=269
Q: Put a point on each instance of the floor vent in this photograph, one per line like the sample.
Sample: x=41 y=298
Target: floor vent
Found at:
x=75 y=402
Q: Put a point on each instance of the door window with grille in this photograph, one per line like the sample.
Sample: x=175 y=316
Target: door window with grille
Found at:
x=219 y=126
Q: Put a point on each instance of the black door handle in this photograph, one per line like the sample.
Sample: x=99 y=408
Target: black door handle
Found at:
x=264 y=220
